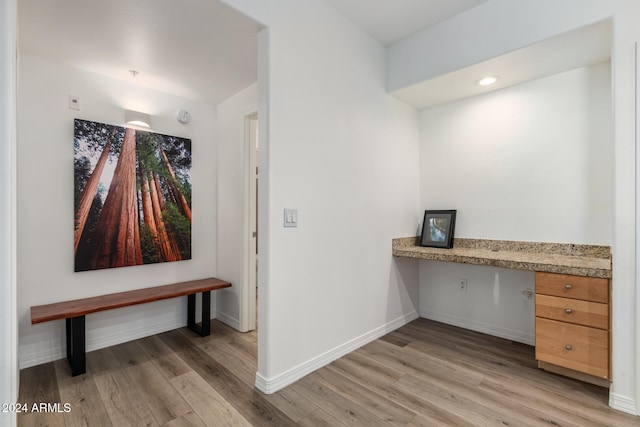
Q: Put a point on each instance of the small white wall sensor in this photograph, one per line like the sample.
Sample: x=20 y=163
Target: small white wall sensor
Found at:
x=183 y=116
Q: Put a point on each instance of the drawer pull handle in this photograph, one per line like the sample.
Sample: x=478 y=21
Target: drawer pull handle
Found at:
x=568 y=347
x=568 y=311
x=568 y=286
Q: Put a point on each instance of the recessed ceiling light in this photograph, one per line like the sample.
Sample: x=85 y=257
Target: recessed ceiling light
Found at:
x=488 y=80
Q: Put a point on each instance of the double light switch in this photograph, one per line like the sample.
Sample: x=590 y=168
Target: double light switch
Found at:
x=291 y=217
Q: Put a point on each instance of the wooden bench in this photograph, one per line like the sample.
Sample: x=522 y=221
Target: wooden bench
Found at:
x=75 y=310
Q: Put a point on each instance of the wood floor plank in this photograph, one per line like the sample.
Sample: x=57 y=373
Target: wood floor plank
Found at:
x=37 y=419
x=102 y=361
x=549 y=402
x=50 y=419
x=186 y=420
x=466 y=342
x=87 y=408
x=129 y=353
x=219 y=330
x=506 y=368
x=207 y=403
x=412 y=362
x=337 y=405
x=445 y=375
x=292 y=403
x=320 y=418
x=366 y=367
x=169 y=363
x=251 y=337
x=385 y=386
x=164 y=402
x=542 y=415
x=246 y=400
x=247 y=347
x=123 y=403
x=378 y=405
x=452 y=400
x=240 y=363
x=421 y=420
x=39 y=384
x=396 y=339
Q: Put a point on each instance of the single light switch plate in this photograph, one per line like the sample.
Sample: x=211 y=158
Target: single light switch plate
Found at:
x=291 y=217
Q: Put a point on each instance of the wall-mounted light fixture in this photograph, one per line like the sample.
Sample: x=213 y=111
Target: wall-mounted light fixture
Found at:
x=137 y=119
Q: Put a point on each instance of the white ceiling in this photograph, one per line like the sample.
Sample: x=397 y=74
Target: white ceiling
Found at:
x=389 y=21
x=196 y=49
x=204 y=50
x=584 y=46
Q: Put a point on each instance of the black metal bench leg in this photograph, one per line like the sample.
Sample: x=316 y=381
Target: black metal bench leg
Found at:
x=191 y=312
x=76 y=352
x=204 y=328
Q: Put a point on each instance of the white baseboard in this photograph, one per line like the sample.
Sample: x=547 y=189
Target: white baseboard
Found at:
x=271 y=385
x=623 y=404
x=106 y=337
x=119 y=337
x=31 y=358
x=485 y=328
x=231 y=321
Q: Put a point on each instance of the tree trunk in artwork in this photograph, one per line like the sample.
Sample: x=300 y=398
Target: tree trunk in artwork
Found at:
x=117 y=236
x=147 y=204
x=166 y=248
x=161 y=203
x=89 y=193
x=180 y=199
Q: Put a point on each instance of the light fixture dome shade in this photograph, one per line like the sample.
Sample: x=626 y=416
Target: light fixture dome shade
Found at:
x=487 y=80
x=137 y=119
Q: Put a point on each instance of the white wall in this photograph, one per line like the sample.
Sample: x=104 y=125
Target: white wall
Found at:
x=495 y=302
x=522 y=23
x=232 y=211
x=336 y=147
x=531 y=162
x=45 y=206
x=8 y=319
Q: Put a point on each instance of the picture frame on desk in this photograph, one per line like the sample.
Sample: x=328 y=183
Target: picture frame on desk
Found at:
x=437 y=228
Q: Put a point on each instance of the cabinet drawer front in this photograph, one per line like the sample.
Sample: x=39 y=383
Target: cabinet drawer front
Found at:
x=578 y=287
x=576 y=311
x=574 y=347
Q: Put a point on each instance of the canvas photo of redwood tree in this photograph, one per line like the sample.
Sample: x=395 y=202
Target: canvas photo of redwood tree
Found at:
x=132 y=197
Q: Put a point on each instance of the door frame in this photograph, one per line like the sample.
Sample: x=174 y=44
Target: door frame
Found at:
x=248 y=309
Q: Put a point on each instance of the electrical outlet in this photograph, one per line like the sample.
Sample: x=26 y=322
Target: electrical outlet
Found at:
x=462 y=285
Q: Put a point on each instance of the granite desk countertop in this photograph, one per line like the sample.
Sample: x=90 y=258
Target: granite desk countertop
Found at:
x=578 y=260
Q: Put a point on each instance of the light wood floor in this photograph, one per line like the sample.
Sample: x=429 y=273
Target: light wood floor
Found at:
x=424 y=374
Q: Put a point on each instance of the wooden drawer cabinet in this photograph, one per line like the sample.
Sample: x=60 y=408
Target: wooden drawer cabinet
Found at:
x=572 y=323
x=586 y=313
x=576 y=347
x=576 y=287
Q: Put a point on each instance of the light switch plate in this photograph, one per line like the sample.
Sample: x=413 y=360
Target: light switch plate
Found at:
x=291 y=217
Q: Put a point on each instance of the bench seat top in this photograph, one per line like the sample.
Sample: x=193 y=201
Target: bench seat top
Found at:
x=80 y=307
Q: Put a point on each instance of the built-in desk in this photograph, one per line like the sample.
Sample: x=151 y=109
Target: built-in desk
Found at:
x=572 y=296
x=577 y=260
